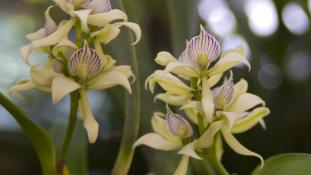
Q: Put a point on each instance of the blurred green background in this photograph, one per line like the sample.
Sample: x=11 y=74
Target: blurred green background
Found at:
x=277 y=37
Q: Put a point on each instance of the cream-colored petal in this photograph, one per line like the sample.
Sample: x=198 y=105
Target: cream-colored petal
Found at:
x=109 y=80
x=62 y=86
x=55 y=37
x=89 y=122
x=184 y=70
x=159 y=126
x=49 y=26
x=227 y=61
x=189 y=150
x=237 y=146
x=168 y=82
x=66 y=6
x=106 y=34
x=62 y=47
x=42 y=76
x=196 y=105
x=250 y=120
x=239 y=89
x=164 y=58
x=230 y=117
x=83 y=16
x=192 y=115
x=207 y=101
x=102 y=19
x=172 y=99
x=21 y=85
x=100 y=52
x=157 y=142
x=133 y=27
x=126 y=70
x=214 y=79
x=36 y=35
x=182 y=166
x=245 y=102
x=208 y=137
x=25 y=51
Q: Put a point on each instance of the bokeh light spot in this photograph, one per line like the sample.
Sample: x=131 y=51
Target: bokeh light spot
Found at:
x=262 y=17
x=295 y=19
x=270 y=76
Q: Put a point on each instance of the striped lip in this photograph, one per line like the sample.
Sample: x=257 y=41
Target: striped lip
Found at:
x=98 y=6
x=201 y=49
x=224 y=94
x=177 y=125
x=85 y=62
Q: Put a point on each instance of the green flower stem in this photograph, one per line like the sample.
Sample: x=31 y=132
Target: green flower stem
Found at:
x=132 y=117
x=71 y=123
x=39 y=138
x=216 y=162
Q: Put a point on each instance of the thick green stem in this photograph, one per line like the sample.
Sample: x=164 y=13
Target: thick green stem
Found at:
x=71 y=124
x=216 y=162
x=132 y=117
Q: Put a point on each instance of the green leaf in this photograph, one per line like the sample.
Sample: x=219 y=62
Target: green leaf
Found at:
x=39 y=138
x=289 y=163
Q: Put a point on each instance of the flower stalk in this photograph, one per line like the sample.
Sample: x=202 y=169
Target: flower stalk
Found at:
x=74 y=97
x=132 y=116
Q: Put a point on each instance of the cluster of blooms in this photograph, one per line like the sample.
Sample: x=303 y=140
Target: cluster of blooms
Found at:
x=191 y=83
x=75 y=65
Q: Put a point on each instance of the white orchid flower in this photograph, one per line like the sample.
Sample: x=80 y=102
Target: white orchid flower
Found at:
x=235 y=112
x=46 y=37
x=86 y=72
x=100 y=14
x=171 y=132
x=196 y=59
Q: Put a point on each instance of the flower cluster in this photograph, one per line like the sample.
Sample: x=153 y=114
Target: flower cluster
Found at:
x=78 y=65
x=192 y=83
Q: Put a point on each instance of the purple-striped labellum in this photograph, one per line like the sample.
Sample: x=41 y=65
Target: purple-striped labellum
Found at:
x=177 y=125
x=201 y=49
x=98 y=6
x=224 y=94
x=85 y=62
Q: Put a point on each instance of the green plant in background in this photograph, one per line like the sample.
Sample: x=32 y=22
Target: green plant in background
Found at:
x=189 y=82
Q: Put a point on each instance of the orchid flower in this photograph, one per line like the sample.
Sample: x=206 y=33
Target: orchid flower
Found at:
x=171 y=132
x=236 y=111
x=96 y=18
x=86 y=72
x=196 y=60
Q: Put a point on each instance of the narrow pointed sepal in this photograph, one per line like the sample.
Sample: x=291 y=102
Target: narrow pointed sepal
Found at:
x=49 y=25
x=164 y=58
x=157 y=142
x=89 y=122
x=250 y=120
x=228 y=60
x=238 y=147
